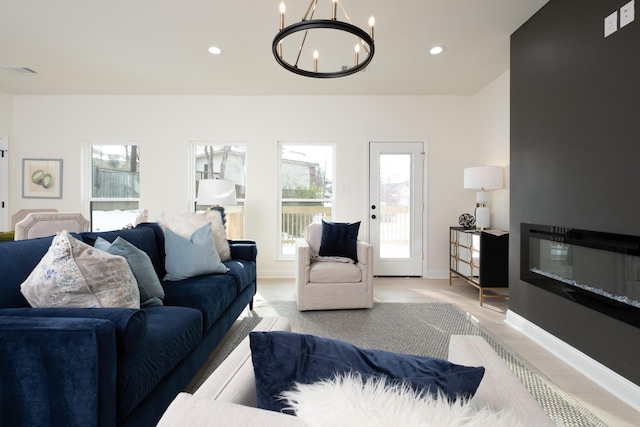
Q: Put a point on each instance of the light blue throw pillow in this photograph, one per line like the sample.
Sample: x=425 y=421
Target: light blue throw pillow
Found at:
x=151 y=292
x=196 y=256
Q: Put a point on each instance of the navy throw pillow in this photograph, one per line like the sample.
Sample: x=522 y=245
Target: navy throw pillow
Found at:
x=281 y=359
x=339 y=239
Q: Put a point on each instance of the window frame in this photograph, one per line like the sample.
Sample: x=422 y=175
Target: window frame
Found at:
x=193 y=171
x=280 y=253
x=89 y=177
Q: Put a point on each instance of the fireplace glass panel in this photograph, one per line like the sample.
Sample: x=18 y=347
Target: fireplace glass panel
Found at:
x=595 y=263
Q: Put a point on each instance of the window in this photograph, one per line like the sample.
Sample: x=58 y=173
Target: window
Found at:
x=115 y=185
x=221 y=161
x=306 y=190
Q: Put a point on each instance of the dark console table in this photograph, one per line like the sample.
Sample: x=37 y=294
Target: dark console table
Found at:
x=481 y=258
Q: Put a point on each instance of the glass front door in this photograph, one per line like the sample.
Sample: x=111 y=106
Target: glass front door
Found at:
x=396 y=206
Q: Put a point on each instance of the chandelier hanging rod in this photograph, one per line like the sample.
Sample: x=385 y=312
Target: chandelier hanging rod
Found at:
x=304 y=38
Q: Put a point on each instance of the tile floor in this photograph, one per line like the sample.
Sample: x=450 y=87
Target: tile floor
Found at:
x=491 y=315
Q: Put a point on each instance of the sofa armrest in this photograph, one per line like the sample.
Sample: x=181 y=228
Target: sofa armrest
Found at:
x=303 y=262
x=130 y=324
x=189 y=410
x=243 y=249
x=365 y=253
x=499 y=388
x=57 y=371
x=365 y=261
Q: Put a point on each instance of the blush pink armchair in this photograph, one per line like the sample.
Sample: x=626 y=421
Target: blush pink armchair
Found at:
x=325 y=283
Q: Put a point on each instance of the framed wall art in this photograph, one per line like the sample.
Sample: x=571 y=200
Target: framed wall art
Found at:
x=42 y=178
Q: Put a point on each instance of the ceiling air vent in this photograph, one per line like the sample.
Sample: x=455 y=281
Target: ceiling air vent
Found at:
x=19 y=70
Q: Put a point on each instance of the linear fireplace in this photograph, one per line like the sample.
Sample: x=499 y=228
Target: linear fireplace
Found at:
x=595 y=269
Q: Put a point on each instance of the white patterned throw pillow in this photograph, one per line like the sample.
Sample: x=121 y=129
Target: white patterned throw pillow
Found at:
x=74 y=274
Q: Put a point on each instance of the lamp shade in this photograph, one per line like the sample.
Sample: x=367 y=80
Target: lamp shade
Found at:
x=216 y=192
x=484 y=178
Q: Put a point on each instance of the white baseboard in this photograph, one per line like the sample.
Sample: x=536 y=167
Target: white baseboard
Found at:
x=275 y=274
x=437 y=274
x=611 y=381
x=288 y=273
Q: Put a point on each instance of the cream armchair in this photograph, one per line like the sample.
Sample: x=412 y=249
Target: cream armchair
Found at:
x=325 y=284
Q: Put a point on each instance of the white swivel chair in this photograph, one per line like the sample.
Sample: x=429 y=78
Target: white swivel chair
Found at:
x=328 y=285
x=44 y=224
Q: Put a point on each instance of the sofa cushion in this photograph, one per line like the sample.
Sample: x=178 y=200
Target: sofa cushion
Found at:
x=339 y=239
x=334 y=272
x=211 y=295
x=193 y=256
x=244 y=272
x=172 y=333
x=151 y=292
x=130 y=324
x=74 y=274
x=147 y=236
x=281 y=359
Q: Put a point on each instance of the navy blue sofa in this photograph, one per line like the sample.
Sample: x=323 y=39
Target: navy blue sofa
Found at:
x=111 y=366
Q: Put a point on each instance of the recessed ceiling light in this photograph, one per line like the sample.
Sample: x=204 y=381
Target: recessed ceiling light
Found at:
x=215 y=50
x=436 y=50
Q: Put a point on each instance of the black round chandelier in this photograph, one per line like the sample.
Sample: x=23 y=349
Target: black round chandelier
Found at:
x=362 y=52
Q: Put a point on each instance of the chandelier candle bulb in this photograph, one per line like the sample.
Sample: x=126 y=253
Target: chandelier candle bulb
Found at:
x=357 y=49
x=283 y=9
x=280 y=48
x=315 y=61
x=372 y=22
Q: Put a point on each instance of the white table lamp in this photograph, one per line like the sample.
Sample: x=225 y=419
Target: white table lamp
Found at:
x=483 y=178
x=216 y=192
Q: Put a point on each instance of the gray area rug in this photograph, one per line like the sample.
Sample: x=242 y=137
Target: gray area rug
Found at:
x=421 y=329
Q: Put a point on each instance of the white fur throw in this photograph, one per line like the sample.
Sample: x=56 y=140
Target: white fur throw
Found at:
x=348 y=400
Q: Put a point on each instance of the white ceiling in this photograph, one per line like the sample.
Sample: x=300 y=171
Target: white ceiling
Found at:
x=160 y=46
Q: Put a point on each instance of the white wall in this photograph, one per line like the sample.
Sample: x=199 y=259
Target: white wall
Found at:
x=5 y=113
x=491 y=106
x=59 y=126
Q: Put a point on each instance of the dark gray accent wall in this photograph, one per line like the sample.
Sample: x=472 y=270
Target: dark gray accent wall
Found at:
x=575 y=156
